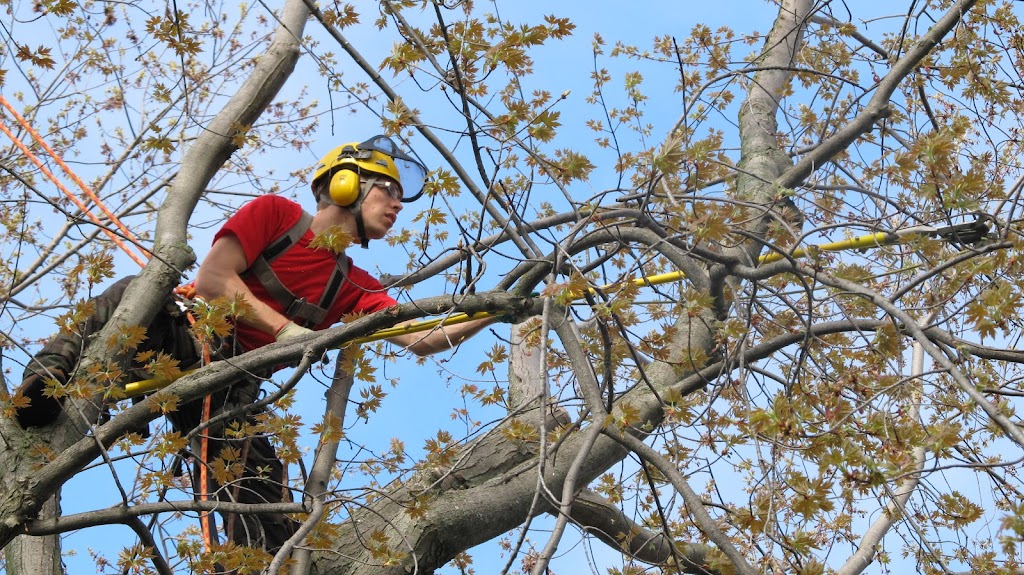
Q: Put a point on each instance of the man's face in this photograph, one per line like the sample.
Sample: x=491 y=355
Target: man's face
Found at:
x=380 y=208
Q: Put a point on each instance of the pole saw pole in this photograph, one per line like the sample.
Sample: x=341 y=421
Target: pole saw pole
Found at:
x=965 y=233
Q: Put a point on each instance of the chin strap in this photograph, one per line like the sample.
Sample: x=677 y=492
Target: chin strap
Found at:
x=365 y=184
x=364 y=241
x=356 y=208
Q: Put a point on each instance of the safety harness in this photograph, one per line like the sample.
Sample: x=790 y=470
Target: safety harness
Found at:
x=297 y=309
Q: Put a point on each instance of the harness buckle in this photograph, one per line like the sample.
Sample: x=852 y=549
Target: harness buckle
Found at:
x=297 y=309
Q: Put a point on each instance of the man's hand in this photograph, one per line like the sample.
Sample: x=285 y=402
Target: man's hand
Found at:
x=291 y=330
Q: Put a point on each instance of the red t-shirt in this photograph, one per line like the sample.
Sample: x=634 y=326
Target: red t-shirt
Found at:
x=303 y=270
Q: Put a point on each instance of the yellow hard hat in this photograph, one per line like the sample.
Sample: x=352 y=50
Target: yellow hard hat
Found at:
x=349 y=163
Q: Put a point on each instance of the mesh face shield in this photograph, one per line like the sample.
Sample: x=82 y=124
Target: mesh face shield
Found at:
x=411 y=174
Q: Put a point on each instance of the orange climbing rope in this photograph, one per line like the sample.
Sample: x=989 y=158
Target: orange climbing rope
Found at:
x=207 y=522
x=67 y=169
x=206 y=518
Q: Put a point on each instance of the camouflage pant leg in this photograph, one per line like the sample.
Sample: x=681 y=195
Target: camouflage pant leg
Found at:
x=262 y=476
x=58 y=359
x=262 y=481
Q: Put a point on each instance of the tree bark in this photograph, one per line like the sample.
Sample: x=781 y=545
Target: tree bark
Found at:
x=36 y=555
x=23 y=453
x=493 y=487
x=496 y=481
x=317 y=485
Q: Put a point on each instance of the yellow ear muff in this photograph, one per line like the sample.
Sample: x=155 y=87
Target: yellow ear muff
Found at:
x=344 y=188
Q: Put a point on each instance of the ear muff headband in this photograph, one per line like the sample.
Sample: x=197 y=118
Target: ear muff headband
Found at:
x=344 y=187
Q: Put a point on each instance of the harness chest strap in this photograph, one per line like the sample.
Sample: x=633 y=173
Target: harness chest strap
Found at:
x=297 y=309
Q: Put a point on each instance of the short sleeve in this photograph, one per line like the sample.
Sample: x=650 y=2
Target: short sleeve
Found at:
x=260 y=222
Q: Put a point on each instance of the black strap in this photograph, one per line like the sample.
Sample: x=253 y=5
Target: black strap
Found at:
x=364 y=242
x=297 y=309
x=287 y=239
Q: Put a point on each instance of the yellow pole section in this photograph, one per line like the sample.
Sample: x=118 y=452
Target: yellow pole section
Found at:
x=864 y=242
x=418 y=326
x=144 y=386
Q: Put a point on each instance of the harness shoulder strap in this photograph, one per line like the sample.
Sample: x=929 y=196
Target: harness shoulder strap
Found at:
x=287 y=239
x=295 y=308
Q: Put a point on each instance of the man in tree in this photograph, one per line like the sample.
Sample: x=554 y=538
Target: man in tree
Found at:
x=269 y=255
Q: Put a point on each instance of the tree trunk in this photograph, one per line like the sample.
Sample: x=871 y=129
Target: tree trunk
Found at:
x=28 y=555
x=26 y=457
x=494 y=487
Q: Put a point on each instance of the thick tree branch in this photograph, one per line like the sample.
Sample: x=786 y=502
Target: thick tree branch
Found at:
x=604 y=520
x=762 y=159
x=316 y=492
x=122 y=515
x=878 y=107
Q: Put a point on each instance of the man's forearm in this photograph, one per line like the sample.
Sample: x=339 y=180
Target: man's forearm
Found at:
x=442 y=338
x=264 y=318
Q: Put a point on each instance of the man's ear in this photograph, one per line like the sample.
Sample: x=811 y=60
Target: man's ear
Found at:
x=320 y=195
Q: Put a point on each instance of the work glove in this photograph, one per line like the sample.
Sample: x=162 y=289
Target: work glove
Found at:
x=291 y=330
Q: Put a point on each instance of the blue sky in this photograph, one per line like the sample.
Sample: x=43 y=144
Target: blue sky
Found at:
x=426 y=395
